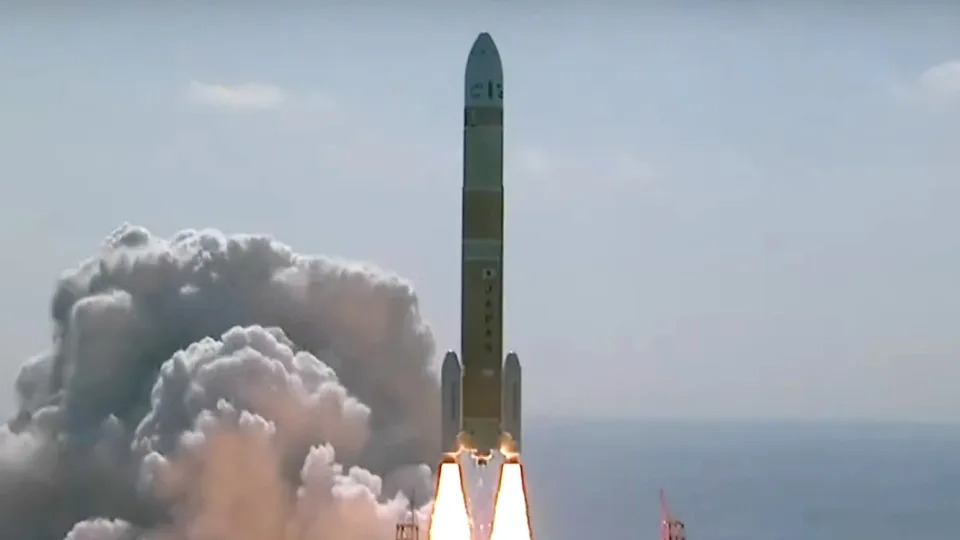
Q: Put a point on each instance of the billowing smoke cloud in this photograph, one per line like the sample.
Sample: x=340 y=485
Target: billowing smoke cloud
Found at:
x=214 y=387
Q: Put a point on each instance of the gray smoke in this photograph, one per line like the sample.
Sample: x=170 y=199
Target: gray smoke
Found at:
x=214 y=387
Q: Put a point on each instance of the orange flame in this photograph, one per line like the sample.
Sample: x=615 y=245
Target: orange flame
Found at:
x=511 y=518
x=450 y=519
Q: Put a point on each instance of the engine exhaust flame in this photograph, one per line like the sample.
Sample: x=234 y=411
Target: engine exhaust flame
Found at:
x=450 y=519
x=511 y=518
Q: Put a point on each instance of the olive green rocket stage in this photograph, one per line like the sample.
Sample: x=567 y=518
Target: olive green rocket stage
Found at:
x=481 y=390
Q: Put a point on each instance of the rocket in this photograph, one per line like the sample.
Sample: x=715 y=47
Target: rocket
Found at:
x=481 y=391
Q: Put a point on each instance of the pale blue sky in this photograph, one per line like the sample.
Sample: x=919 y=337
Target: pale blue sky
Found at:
x=725 y=212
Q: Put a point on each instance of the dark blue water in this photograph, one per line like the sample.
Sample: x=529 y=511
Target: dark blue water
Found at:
x=744 y=481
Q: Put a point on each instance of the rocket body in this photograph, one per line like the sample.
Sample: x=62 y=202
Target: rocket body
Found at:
x=481 y=294
x=481 y=285
x=480 y=390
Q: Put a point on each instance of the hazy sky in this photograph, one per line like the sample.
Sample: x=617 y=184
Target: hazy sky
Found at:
x=719 y=212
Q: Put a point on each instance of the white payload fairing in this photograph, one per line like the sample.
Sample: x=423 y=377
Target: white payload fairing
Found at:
x=481 y=396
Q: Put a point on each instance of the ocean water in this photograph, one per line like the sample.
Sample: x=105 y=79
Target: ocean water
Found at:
x=743 y=481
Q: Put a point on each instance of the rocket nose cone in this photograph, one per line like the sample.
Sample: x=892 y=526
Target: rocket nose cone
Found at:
x=484 y=51
x=512 y=361
x=484 y=43
x=451 y=364
x=483 y=78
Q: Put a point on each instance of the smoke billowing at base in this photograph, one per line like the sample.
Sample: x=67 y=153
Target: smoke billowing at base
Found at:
x=214 y=387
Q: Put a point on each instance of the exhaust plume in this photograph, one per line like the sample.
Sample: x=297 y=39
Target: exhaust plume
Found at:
x=213 y=387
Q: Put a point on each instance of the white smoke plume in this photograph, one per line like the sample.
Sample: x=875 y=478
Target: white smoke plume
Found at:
x=213 y=387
